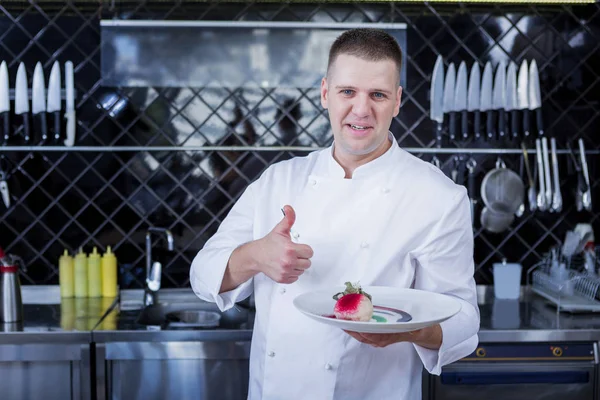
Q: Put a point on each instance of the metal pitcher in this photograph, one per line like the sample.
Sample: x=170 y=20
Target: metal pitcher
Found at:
x=11 y=302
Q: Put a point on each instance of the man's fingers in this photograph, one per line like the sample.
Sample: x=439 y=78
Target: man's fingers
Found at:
x=303 y=251
x=302 y=264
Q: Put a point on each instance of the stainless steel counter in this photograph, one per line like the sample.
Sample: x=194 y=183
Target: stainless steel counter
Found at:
x=531 y=319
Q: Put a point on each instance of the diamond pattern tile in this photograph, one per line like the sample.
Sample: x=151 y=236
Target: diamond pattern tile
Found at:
x=85 y=199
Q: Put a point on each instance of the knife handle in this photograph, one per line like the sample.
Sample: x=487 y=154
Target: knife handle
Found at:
x=526 y=122
x=26 y=128
x=40 y=126
x=57 y=126
x=501 y=122
x=465 y=124
x=490 y=124
x=538 y=121
x=514 y=121
x=5 y=125
x=452 y=123
x=477 y=124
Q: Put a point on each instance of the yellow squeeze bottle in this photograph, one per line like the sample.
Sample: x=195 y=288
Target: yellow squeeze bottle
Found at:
x=94 y=275
x=81 y=274
x=66 y=275
x=109 y=274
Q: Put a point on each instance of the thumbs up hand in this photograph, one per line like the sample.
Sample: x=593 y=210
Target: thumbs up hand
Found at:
x=280 y=258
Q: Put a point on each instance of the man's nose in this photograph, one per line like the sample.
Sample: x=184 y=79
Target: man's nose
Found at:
x=361 y=106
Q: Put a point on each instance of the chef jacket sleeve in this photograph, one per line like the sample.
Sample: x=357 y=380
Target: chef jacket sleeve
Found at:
x=208 y=267
x=445 y=265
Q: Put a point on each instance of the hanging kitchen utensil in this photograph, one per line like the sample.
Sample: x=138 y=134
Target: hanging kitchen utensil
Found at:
x=502 y=189
x=448 y=105
x=4 y=103
x=471 y=164
x=547 y=178
x=556 y=195
x=473 y=99
x=541 y=195
x=587 y=194
x=495 y=222
x=511 y=99
x=22 y=101
x=54 y=101
x=38 y=104
x=523 y=96
x=531 y=194
x=4 y=192
x=535 y=97
x=581 y=183
x=460 y=98
x=70 y=104
x=499 y=98
x=486 y=100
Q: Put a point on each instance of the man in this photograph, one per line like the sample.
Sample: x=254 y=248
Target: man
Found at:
x=363 y=210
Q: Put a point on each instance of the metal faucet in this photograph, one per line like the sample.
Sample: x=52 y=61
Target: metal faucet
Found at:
x=153 y=270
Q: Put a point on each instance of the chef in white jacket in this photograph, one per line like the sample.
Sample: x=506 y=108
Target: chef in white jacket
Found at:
x=363 y=210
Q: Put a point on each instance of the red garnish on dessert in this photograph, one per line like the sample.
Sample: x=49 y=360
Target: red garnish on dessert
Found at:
x=353 y=304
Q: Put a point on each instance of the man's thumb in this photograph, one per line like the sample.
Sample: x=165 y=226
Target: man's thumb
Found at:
x=289 y=217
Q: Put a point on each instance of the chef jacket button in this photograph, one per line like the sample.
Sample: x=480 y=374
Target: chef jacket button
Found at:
x=364 y=245
x=282 y=290
x=271 y=354
x=313 y=182
x=385 y=190
x=328 y=366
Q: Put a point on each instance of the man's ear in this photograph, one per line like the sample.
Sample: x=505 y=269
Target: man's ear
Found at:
x=324 y=92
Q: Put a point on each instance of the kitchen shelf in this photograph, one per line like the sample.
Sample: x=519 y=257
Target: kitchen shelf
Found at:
x=447 y=150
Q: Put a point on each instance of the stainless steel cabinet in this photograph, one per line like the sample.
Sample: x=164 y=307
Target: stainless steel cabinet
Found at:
x=49 y=371
x=171 y=370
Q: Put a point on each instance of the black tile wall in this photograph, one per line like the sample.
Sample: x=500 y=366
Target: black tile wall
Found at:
x=83 y=199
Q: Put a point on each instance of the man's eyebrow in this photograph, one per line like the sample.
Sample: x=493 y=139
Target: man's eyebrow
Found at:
x=354 y=88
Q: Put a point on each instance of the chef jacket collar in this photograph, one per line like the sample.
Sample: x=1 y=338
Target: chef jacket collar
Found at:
x=381 y=164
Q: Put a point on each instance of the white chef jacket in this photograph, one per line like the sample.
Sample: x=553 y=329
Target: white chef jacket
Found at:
x=398 y=222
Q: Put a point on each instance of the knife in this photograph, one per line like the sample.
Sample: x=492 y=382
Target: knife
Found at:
x=4 y=102
x=448 y=105
x=473 y=99
x=38 y=102
x=499 y=96
x=460 y=98
x=70 y=109
x=22 y=100
x=436 y=99
x=486 y=99
x=54 y=100
x=511 y=98
x=523 y=96
x=535 y=97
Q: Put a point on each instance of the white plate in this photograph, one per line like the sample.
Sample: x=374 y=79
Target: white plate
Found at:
x=394 y=309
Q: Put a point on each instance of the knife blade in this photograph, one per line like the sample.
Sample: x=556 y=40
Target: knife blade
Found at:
x=460 y=98
x=54 y=100
x=22 y=100
x=70 y=104
x=448 y=105
x=473 y=99
x=436 y=99
x=4 y=102
x=499 y=96
x=511 y=98
x=535 y=97
x=523 y=95
x=486 y=98
x=38 y=102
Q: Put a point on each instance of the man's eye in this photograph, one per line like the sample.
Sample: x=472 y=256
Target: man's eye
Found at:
x=347 y=92
x=379 y=95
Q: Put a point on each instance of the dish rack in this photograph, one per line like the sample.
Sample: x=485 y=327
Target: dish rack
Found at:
x=566 y=283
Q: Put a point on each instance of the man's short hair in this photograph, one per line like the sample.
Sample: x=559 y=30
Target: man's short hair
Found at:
x=368 y=44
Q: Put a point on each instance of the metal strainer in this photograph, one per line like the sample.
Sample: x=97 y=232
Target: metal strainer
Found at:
x=495 y=222
x=502 y=189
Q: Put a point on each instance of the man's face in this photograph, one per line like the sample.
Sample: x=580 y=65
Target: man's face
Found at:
x=362 y=97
